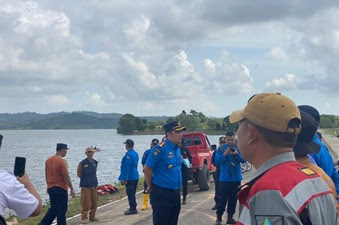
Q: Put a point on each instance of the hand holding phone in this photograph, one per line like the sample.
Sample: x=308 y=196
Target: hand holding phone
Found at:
x=19 y=166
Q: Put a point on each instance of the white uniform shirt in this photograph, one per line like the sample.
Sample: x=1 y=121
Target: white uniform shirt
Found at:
x=15 y=196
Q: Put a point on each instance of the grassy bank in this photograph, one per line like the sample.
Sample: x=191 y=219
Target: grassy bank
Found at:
x=74 y=204
x=333 y=131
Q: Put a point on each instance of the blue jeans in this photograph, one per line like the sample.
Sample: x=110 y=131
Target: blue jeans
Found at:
x=58 y=199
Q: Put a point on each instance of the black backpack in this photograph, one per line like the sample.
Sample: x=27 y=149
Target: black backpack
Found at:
x=2 y=221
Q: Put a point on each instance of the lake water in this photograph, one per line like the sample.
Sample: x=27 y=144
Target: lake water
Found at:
x=38 y=145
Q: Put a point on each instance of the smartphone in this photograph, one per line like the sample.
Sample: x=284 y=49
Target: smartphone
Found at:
x=19 y=166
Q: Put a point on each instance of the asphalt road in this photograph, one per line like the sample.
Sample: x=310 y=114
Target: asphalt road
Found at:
x=197 y=210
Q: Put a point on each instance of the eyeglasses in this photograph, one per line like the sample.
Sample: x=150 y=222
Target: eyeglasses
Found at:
x=89 y=152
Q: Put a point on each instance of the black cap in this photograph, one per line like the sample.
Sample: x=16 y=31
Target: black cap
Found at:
x=305 y=144
x=61 y=146
x=129 y=142
x=175 y=125
x=155 y=141
x=310 y=110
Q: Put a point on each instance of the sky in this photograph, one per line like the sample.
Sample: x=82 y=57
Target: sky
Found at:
x=153 y=58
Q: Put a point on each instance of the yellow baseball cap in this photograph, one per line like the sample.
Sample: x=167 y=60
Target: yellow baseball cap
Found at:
x=90 y=149
x=272 y=111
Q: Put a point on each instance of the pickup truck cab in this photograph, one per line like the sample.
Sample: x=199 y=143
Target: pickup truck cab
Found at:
x=201 y=151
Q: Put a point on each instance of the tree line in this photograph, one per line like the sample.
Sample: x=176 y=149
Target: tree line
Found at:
x=196 y=121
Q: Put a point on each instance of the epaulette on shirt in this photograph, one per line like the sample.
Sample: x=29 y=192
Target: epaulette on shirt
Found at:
x=162 y=144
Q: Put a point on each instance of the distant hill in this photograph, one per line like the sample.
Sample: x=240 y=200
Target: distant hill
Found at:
x=64 y=120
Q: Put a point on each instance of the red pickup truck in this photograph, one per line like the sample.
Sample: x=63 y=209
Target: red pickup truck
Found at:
x=201 y=151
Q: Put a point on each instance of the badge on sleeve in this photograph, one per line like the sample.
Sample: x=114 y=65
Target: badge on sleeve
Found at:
x=269 y=220
x=307 y=171
x=156 y=152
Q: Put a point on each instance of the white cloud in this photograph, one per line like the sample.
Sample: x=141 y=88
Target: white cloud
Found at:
x=277 y=53
x=287 y=82
x=231 y=79
x=137 y=29
x=94 y=99
x=170 y=53
x=58 y=100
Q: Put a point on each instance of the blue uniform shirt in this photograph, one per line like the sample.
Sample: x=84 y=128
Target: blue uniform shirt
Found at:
x=129 y=166
x=165 y=161
x=144 y=156
x=229 y=164
x=324 y=160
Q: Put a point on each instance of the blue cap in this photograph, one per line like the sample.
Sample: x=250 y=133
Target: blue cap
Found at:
x=61 y=146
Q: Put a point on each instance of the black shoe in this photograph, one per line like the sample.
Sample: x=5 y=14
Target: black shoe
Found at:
x=218 y=222
x=184 y=201
x=214 y=207
x=231 y=221
x=131 y=212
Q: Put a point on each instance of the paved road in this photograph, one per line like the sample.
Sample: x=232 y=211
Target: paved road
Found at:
x=197 y=211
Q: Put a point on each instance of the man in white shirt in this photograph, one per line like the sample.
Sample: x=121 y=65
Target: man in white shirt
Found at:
x=19 y=194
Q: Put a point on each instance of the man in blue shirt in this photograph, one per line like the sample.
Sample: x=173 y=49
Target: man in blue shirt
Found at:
x=216 y=174
x=229 y=159
x=323 y=158
x=129 y=175
x=163 y=176
x=143 y=162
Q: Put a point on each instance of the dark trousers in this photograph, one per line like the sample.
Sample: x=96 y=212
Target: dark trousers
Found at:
x=185 y=175
x=228 y=194
x=58 y=200
x=145 y=187
x=131 y=188
x=216 y=187
x=166 y=205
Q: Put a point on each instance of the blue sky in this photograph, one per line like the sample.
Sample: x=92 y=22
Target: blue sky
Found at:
x=161 y=57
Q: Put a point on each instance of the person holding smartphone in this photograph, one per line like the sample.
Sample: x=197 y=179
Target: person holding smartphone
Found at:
x=229 y=158
x=19 y=195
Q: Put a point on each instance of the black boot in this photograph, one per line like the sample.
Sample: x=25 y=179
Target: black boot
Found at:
x=184 y=200
x=219 y=220
x=131 y=212
x=231 y=221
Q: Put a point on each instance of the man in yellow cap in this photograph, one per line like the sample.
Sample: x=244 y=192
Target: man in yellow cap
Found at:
x=282 y=191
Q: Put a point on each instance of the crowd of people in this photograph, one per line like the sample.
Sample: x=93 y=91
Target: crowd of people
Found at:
x=295 y=180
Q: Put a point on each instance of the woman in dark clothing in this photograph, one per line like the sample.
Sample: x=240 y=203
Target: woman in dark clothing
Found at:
x=185 y=171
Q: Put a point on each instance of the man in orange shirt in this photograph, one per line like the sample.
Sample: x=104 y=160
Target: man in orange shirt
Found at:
x=58 y=182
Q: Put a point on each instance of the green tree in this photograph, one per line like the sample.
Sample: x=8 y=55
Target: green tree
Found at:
x=126 y=124
x=190 y=122
x=217 y=126
x=141 y=124
x=152 y=125
x=326 y=122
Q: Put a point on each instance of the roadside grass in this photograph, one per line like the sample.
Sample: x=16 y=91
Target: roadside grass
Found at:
x=332 y=131
x=74 y=204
